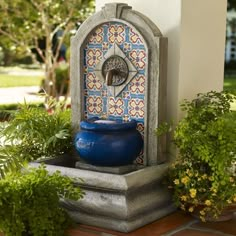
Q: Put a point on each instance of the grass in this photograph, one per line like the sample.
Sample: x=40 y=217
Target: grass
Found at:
x=7 y=80
x=230 y=85
x=18 y=76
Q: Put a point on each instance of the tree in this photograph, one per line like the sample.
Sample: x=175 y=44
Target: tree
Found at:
x=28 y=22
x=231 y=4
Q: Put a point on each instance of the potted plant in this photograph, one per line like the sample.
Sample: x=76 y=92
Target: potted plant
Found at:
x=203 y=176
x=30 y=202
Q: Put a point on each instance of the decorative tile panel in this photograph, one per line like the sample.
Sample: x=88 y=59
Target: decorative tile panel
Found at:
x=129 y=103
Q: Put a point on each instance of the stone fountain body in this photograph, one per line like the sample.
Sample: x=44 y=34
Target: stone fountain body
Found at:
x=121 y=198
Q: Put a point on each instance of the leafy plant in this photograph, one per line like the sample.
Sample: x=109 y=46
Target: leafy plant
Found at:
x=29 y=202
x=33 y=133
x=202 y=175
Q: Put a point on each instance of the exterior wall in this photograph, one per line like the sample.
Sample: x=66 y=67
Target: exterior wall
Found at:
x=203 y=25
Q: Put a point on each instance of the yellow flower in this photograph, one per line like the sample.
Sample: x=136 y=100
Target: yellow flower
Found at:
x=231 y=179
x=208 y=202
x=229 y=201
x=190 y=209
x=204 y=176
x=202 y=219
x=234 y=198
x=185 y=180
x=202 y=212
x=189 y=173
x=184 y=198
x=214 y=190
x=176 y=181
x=193 y=192
x=182 y=207
x=211 y=178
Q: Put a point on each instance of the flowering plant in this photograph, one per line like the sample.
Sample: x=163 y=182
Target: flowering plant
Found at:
x=204 y=172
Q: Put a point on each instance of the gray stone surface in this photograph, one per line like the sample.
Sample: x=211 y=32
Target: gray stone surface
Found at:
x=123 y=225
x=106 y=169
x=119 y=202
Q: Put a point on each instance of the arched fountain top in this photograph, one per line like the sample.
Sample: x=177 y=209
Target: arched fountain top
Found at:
x=118 y=12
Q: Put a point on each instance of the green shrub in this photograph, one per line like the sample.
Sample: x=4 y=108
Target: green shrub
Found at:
x=29 y=202
x=34 y=133
x=7 y=110
x=203 y=175
x=5 y=115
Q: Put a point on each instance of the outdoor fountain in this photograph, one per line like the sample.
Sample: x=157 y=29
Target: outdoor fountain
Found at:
x=118 y=84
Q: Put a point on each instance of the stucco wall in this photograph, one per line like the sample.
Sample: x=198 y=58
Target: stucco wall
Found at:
x=202 y=44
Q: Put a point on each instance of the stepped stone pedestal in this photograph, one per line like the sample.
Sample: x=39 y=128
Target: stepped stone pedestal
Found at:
x=119 y=202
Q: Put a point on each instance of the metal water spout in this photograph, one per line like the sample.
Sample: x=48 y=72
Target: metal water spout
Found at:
x=109 y=76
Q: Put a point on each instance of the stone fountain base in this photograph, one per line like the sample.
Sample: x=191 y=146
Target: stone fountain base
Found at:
x=121 y=202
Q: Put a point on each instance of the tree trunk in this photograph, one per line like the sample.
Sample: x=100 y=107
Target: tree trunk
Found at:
x=50 y=80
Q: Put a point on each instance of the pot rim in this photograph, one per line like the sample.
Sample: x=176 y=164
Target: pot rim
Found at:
x=117 y=125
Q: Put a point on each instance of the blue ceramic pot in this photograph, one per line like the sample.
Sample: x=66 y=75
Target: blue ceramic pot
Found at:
x=108 y=143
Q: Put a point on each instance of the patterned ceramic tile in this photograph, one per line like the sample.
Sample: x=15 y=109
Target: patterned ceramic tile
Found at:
x=116 y=33
x=135 y=37
x=97 y=36
x=129 y=104
x=93 y=83
x=138 y=58
x=93 y=56
x=127 y=47
x=116 y=106
x=94 y=105
x=136 y=108
x=137 y=85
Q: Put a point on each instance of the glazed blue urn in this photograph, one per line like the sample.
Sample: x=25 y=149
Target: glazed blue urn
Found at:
x=108 y=142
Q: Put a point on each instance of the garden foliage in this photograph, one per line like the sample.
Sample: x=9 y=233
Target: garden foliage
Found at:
x=203 y=174
x=29 y=202
x=33 y=133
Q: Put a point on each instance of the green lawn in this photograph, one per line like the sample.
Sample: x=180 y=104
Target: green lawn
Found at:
x=18 y=76
x=19 y=80
x=230 y=85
